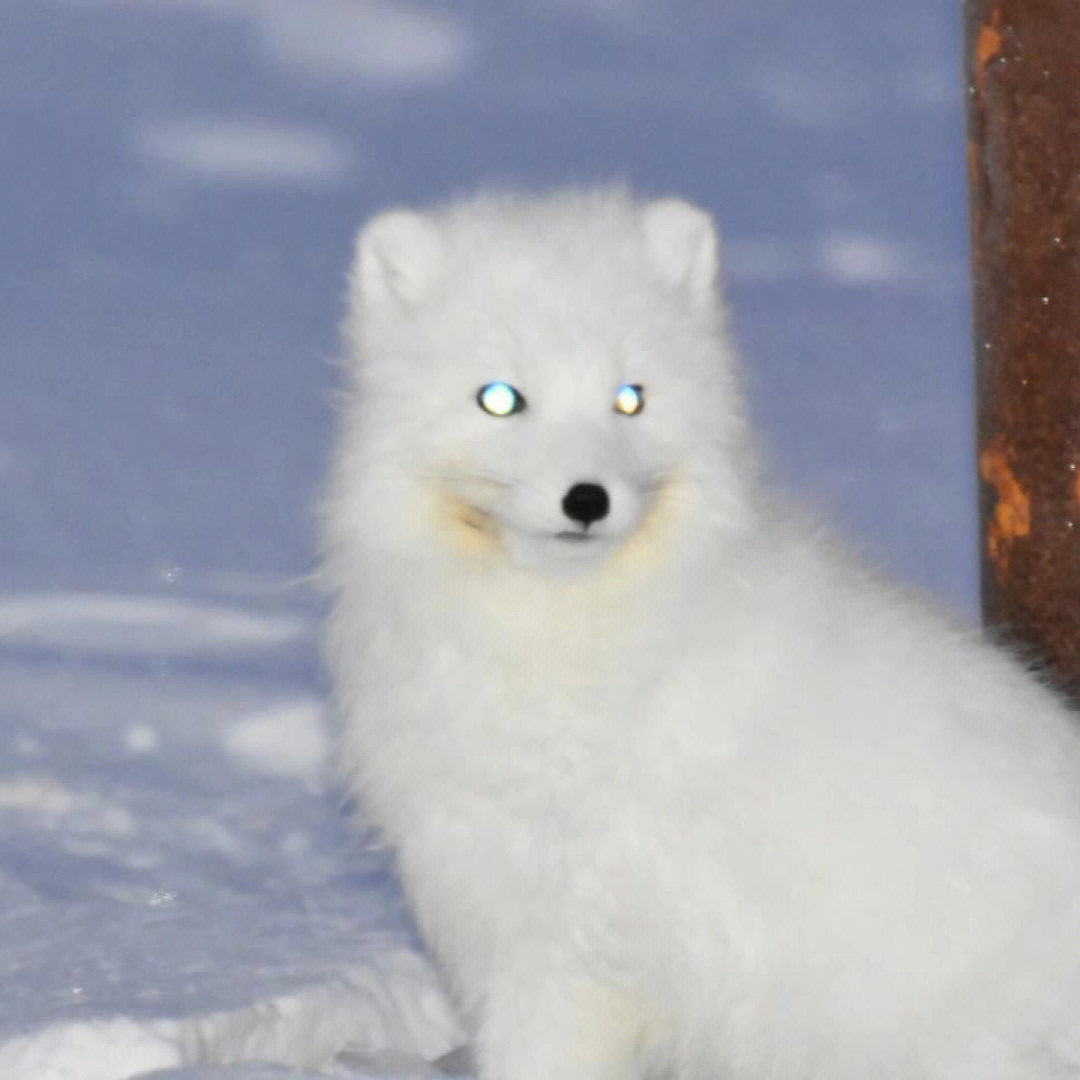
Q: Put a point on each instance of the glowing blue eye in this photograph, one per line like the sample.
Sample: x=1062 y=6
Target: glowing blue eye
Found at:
x=500 y=398
x=630 y=399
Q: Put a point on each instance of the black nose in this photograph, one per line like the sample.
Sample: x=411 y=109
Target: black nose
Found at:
x=586 y=503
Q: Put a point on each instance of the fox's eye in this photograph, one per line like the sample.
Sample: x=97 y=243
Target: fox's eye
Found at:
x=630 y=399
x=500 y=398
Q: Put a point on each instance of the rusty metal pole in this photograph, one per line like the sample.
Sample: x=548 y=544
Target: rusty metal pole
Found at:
x=1023 y=78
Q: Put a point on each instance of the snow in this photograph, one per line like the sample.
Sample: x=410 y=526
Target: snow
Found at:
x=861 y=260
x=242 y=152
x=398 y=44
x=182 y=882
x=391 y=1006
x=184 y=887
x=41 y=795
x=90 y=1051
x=144 y=626
x=286 y=740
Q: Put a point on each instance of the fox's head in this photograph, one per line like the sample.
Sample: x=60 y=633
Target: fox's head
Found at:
x=551 y=374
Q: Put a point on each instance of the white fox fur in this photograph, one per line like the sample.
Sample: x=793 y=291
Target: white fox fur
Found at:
x=677 y=790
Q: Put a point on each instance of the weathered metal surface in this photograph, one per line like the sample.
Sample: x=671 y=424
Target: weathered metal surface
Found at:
x=1023 y=72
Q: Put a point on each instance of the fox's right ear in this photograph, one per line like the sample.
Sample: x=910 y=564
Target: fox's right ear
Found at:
x=399 y=257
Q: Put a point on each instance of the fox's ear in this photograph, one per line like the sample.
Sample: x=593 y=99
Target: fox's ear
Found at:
x=399 y=257
x=683 y=247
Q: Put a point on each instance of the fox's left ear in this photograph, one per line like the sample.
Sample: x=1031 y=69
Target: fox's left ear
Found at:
x=683 y=248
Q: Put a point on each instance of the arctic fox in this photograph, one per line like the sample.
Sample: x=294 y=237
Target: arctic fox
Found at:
x=676 y=789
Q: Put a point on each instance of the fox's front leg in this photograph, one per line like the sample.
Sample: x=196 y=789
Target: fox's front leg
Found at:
x=546 y=1022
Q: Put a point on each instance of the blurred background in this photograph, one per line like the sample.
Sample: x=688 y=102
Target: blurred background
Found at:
x=181 y=182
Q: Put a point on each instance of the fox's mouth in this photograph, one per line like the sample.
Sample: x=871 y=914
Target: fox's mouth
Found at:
x=472 y=517
x=573 y=544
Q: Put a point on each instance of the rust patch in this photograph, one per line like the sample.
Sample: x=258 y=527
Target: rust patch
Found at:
x=988 y=46
x=974 y=160
x=1012 y=514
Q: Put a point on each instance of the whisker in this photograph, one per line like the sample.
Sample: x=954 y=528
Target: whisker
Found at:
x=456 y=476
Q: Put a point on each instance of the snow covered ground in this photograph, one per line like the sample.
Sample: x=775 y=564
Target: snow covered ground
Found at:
x=180 y=885
x=172 y=850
